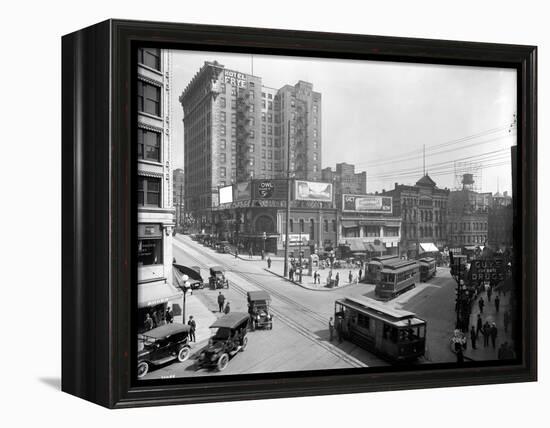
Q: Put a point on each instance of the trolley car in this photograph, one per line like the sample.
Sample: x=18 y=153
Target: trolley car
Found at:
x=394 y=334
x=427 y=268
x=375 y=265
x=396 y=278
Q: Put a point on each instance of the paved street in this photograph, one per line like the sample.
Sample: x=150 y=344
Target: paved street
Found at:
x=300 y=338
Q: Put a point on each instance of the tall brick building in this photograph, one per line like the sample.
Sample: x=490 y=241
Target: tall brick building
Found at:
x=237 y=129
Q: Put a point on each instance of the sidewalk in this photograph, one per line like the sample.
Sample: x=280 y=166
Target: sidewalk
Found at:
x=202 y=315
x=277 y=268
x=489 y=314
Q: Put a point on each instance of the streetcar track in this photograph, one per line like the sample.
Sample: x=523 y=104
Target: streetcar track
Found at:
x=304 y=331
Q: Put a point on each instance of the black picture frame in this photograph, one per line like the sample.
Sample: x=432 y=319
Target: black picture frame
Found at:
x=98 y=224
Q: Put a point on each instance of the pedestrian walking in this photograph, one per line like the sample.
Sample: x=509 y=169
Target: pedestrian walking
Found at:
x=331 y=328
x=291 y=274
x=221 y=301
x=268 y=262
x=479 y=324
x=360 y=274
x=486 y=333
x=156 y=319
x=481 y=303
x=148 y=324
x=337 y=278
x=193 y=326
x=250 y=253
x=169 y=315
x=236 y=252
x=263 y=255
x=350 y=276
x=489 y=293
x=506 y=321
x=473 y=337
x=227 y=308
x=493 y=332
x=497 y=303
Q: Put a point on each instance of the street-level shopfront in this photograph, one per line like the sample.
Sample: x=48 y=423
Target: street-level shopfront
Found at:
x=155 y=291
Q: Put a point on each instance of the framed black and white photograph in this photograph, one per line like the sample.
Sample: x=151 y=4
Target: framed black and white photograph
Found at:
x=258 y=213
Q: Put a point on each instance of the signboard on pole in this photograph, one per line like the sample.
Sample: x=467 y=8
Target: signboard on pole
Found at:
x=490 y=270
x=367 y=204
x=313 y=191
x=296 y=239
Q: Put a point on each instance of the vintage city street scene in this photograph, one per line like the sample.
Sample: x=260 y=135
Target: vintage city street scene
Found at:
x=299 y=214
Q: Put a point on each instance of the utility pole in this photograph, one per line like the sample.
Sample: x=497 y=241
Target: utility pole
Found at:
x=181 y=205
x=287 y=199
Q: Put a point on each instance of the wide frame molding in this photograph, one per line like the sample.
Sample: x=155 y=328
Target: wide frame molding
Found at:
x=98 y=224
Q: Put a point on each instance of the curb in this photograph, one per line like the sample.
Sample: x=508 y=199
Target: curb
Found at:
x=305 y=286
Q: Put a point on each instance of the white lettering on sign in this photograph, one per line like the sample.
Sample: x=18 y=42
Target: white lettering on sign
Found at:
x=235 y=79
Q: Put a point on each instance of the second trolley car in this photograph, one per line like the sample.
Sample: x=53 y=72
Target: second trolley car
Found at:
x=394 y=334
x=375 y=265
x=396 y=278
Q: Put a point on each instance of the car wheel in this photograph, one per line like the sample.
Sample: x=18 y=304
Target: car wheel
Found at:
x=142 y=369
x=245 y=342
x=183 y=354
x=222 y=362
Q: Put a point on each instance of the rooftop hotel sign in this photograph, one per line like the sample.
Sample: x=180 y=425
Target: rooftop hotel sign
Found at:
x=234 y=78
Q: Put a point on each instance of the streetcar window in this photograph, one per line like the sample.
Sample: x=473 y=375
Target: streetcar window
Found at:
x=363 y=321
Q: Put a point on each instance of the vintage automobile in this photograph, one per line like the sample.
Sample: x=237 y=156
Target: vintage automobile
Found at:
x=228 y=340
x=217 y=278
x=169 y=342
x=194 y=274
x=223 y=247
x=258 y=309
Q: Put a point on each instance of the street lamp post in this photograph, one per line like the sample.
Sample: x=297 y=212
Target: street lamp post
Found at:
x=184 y=287
x=285 y=273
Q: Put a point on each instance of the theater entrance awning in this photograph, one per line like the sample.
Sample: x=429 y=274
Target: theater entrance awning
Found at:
x=156 y=293
x=428 y=247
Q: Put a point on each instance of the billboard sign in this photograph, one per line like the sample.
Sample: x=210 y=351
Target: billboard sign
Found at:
x=367 y=204
x=234 y=78
x=242 y=191
x=313 y=191
x=226 y=194
x=269 y=189
x=296 y=239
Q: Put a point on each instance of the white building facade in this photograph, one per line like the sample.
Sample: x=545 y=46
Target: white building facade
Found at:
x=155 y=185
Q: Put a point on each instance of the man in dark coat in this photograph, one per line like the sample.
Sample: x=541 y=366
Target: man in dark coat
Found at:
x=169 y=315
x=221 y=301
x=268 y=262
x=227 y=308
x=479 y=324
x=148 y=322
x=497 y=303
x=473 y=337
x=193 y=326
x=481 y=303
x=350 y=277
x=337 y=279
x=360 y=275
x=331 y=328
x=486 y=333
x=493 y=332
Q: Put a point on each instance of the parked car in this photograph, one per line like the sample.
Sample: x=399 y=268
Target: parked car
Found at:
x=223 y=247
x=258 y=309
x=169 y=342
x=217 y=278
x=194 y=273
x=229 y=339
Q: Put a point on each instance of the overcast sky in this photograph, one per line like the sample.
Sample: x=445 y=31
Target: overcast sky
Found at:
x=379 y=115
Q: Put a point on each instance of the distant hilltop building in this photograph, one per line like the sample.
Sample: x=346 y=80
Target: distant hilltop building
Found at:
x=237 y=129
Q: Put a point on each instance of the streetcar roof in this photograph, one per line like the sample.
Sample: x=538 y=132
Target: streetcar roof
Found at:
x=399 y=265
x=427 y=259
x=383 y=258
x=398 y=317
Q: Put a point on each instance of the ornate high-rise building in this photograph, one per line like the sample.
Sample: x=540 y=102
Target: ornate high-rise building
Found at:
x=237 y=129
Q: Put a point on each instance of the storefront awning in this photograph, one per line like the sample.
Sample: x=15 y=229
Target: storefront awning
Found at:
x=356 y=246
x=379 y=248
x=428 y=247
x=156 y=293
